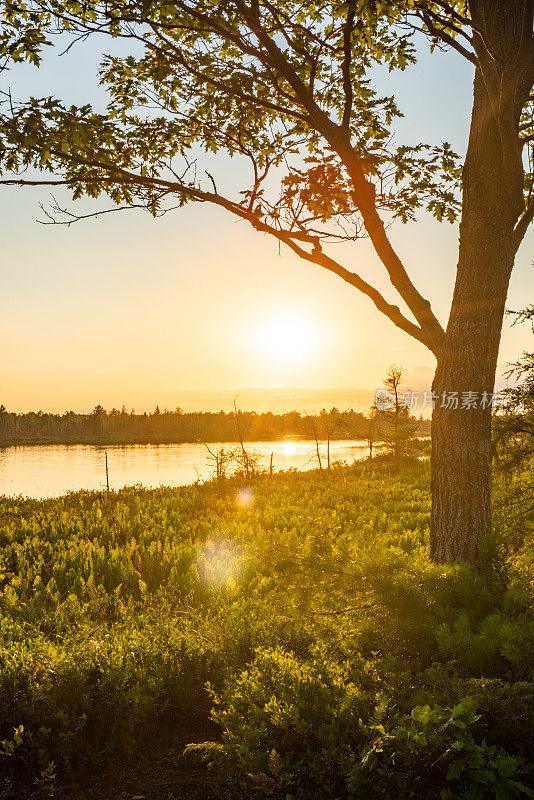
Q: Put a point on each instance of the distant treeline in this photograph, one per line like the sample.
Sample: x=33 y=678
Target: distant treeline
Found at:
x=121 y=427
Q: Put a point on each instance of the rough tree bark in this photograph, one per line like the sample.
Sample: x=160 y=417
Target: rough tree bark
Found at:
x=467 y=360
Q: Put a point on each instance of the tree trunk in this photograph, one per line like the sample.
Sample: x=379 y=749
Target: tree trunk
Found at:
x=461 y=444
x=467 y=361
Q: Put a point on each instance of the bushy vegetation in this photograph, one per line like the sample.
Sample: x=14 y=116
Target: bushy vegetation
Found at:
x=299 y=611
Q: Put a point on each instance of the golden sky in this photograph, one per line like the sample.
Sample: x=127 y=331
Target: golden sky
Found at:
x=190 y=309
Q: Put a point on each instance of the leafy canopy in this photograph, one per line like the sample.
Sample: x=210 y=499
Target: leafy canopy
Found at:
x=285 y=86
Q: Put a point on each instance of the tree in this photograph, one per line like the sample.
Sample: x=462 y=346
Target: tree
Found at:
x=400 y=436
x=513 y=426
x=220 y=460
x=392 y=383
x=331 y=422
x=372 y=433
x=513 y=443
x=287 y=87
x=317 y=454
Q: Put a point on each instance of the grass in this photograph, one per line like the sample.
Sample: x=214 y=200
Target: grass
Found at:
x=294 y=625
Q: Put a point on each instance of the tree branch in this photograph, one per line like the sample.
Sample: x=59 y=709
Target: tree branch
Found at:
x=291 y=239
x=364 y=191
x=20 y=182
x=440 y=33
x=271 y=56
x=212 y=81
x=392 y=312
x=523 y=224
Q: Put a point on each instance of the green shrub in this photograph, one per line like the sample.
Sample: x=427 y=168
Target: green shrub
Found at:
x=507 y=714
x=435 y=753
x=499 y=645
x=292 y=727
x=314 y=615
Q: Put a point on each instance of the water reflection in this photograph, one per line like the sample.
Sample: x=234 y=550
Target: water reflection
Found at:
x=51 y=470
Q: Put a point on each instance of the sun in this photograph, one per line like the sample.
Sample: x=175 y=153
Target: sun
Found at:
x=287 y=337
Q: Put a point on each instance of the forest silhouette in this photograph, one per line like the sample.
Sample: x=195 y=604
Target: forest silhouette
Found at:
x=123 y=427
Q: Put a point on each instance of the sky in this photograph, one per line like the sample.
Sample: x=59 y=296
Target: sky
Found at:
x=193 y=308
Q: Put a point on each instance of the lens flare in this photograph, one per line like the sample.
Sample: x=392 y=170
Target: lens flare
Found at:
x=245 y=497
x=220 y=563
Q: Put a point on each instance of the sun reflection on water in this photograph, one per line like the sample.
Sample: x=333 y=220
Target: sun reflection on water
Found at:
x=289 y=448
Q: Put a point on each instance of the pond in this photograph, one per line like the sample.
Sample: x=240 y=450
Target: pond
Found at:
x=42 y=471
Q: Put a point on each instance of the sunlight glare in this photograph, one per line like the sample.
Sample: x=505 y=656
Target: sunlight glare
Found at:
x=289 y=448
x=287 y=336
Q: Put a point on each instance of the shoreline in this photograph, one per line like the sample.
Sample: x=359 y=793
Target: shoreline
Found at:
x=96 y=442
